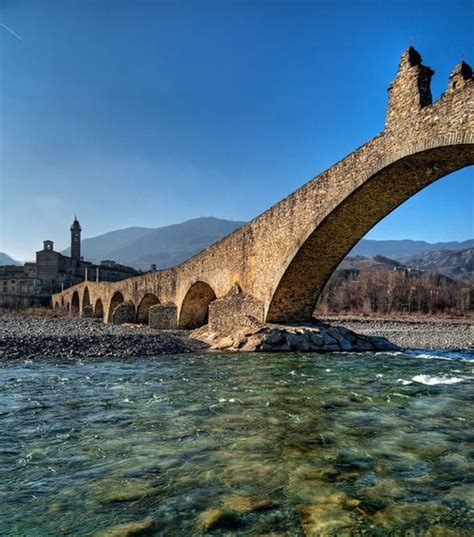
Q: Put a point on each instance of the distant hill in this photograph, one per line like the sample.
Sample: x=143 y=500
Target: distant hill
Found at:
x=7 y=260
x=139 y=247
x=455 y=264
x=377 y=262
x=405 y=249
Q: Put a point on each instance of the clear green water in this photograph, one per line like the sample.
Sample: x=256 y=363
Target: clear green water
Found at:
x=88 y=446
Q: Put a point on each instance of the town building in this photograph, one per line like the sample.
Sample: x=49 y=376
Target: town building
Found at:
x=33 y=283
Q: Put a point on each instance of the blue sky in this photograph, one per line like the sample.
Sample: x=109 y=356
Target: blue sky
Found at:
x=150 y=113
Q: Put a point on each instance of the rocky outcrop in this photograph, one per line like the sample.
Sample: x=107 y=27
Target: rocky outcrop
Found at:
x=318 y=337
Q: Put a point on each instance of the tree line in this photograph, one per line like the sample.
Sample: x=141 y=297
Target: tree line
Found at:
x=395 y=292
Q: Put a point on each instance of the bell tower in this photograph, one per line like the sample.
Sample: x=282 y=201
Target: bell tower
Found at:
x=76 y=239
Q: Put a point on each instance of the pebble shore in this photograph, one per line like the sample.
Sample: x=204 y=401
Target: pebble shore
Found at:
x=39 y=337
x=422 y=333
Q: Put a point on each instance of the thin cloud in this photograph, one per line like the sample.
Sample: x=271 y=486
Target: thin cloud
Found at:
x=11 y=31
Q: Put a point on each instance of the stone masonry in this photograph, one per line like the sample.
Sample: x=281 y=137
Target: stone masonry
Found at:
x=163 y=316
x=282 y=259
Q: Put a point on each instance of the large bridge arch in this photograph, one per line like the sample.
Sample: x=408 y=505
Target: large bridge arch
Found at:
x=194 y=311
x=323 y=245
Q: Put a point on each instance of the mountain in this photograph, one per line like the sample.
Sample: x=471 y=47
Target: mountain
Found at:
x=455 y=264
x=104 y=246
x=168 y=246
x=164 y=246
x=404 y=249
x=378 y=262
x=7 y=260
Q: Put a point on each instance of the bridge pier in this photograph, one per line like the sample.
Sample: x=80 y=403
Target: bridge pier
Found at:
x=163 y=316
x=232 y=310
x=88 y=311
x=124 y=313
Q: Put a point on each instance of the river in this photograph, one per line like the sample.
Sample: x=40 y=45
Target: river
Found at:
x=340 y=444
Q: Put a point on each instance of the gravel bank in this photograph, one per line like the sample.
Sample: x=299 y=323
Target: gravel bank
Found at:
x=413 y=333
x=36 y=337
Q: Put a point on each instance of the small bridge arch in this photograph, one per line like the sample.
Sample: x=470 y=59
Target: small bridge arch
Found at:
x=117 y=298
x=149 y=300
x=86 y=300
x=99 y=309
x=75 y=303
x=195 y=307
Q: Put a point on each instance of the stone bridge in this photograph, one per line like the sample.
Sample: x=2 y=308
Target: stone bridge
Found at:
x=274 y=268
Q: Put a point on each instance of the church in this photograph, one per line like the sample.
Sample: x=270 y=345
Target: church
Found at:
x=34 y=283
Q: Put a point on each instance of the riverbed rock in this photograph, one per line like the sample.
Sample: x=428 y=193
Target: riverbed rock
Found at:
x=252 y=344
x=317 y=340
x=131 y=529
x=245 y=504
x=305 y=338
x=274 y=337
x=116 y=492
x=214 y=518
x=407 y=514
x=321 y=520
x=441 y=531
x=225 y=343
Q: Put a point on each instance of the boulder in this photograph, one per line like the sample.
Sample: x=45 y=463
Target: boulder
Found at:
x=317 y=340
x=383 y=344
x=304 y=338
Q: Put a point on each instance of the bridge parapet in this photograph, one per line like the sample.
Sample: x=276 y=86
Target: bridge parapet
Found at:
x=411 y=113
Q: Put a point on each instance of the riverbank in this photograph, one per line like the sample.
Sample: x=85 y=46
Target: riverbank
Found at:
x=413 y=332
x=29 y=337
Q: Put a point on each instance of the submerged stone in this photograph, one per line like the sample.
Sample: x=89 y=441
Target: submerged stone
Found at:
x=131 y=529
x=246 y=504
x=410 y=514
x=214 y=518
x=129 y=491
x=441 y=531
x=385 y=488
x=321 y=520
